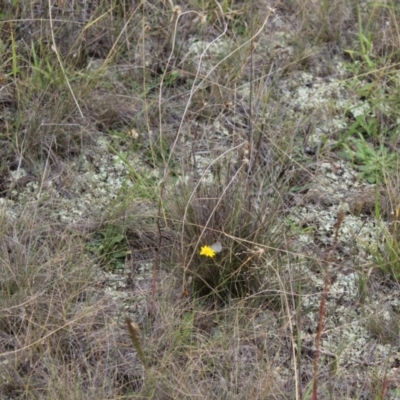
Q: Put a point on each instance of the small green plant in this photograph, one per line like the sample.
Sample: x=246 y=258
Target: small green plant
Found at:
x=171 y=78
x=387 y=257
x=363 y=55
x=368 y=127
x=110 y=246
x=372 y=163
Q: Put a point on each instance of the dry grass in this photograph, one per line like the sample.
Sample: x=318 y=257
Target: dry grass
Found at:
x=132 y=133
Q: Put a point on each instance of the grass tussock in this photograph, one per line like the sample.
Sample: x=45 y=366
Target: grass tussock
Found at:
x=234 y=211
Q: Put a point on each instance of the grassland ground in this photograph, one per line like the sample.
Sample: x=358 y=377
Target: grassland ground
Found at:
x=133 y=134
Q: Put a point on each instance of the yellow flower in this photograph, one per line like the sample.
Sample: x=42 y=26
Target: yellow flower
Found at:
x=207 y=251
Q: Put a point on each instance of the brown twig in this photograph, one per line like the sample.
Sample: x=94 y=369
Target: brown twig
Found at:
x=156 y=264
x=322 y=305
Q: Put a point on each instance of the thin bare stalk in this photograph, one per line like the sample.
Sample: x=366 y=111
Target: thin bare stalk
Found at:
x=322 y=306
